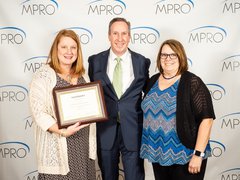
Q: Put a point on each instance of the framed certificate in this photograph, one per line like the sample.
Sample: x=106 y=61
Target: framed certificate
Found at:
x=79 y=103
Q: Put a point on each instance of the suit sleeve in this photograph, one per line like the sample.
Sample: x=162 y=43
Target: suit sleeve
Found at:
x=147 y=65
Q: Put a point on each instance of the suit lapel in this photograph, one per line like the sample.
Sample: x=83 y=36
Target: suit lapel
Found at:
x=104 y=63
x=104 y=60
x=135 y=65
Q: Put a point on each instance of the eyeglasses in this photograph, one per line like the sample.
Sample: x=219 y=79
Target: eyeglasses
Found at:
x=171 y=56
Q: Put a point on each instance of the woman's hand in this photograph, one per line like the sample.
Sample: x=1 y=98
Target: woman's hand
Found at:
x=195 y=163
x=71 y=130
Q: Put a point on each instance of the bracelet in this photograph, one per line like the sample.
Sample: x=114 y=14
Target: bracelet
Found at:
x=63 y=133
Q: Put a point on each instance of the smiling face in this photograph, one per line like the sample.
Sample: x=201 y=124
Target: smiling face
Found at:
x=67 y=51
x=169 y=65
x=119 y=37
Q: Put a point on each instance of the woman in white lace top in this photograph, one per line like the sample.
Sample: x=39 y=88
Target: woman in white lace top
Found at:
x=62 y=153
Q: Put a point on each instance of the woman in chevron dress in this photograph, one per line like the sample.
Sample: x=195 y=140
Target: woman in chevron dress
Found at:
x=178 y=116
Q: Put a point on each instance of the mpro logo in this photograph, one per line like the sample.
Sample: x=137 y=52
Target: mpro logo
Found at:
x=190 y=63
x=106 y=7
x=31 y=175
x=231 y=6
x=230 y=174
x=217 y=91
x=13 y=93
x=14 y=150
x=12 y=35
x=231 y=63
x=231 y=121
x=28 y=122
x=207 y=34
x=144 y=35
x=34 y=63
x=175 y=7
x=217 y=147
x=84 y=34
x=36 y=7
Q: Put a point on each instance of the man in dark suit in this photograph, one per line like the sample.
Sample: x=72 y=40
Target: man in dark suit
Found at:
x=121 y=134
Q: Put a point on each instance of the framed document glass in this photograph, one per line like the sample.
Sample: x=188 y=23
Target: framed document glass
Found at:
x=82 y=103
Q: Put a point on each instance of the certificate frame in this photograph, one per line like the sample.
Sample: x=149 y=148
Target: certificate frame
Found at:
x=82 y=103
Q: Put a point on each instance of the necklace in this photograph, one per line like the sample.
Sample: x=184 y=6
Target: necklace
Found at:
x=168 y=78
x=69 y=78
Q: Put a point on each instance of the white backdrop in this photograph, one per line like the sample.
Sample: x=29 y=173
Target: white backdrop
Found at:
x=209 y=30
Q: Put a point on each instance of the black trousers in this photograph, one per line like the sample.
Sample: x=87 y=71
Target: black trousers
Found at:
x=177 y=172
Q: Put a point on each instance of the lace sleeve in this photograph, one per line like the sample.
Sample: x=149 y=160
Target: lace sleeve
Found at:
x=201 y=99
x=40 y=99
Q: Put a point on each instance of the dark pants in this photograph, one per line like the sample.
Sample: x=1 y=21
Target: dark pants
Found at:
x=109 y=160
x=177 y=172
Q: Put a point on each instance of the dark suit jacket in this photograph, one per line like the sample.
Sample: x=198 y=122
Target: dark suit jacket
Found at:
x=129 y=105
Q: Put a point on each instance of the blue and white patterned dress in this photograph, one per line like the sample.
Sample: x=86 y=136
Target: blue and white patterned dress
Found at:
x=160 y=142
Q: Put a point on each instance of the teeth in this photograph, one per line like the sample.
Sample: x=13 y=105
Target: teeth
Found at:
x=119 y=45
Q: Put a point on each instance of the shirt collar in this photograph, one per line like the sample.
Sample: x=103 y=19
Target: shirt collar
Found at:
x=114 y=56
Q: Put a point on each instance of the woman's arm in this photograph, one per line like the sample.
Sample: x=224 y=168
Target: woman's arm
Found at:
x=203 y=136
x=70 y=130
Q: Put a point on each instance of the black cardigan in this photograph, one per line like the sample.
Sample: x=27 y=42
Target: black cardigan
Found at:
x=194 y=103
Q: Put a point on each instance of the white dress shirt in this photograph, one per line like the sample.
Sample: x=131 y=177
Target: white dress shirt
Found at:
x=127 y=68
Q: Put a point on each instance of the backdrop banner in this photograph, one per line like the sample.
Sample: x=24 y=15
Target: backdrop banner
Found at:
x=209 y=31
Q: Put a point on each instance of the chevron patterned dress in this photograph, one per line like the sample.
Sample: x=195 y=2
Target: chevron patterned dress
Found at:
x=160 y=142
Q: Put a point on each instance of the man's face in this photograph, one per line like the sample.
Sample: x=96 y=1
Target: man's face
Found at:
x=119 y=37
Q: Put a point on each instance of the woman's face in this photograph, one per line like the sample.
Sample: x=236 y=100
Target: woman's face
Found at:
x=67 y=51
x=169 y=60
